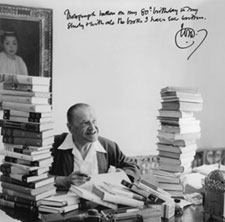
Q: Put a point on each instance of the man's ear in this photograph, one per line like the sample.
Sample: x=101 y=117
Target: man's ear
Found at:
x=69 y=127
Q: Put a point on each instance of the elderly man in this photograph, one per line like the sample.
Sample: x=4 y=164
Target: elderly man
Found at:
x=82 y=152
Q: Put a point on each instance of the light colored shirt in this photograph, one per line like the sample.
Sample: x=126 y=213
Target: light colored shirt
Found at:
x=12 y=66
x=88 y=165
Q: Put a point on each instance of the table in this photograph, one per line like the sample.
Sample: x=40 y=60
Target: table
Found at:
x=190 y=214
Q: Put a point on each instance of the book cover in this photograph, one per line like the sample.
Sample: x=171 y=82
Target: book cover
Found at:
x=88 y=195
x=24 y=79
x=27 y=107
x=175 y=113
x=168 y=180
x=28 y=141
x=34 y=185
x=117 y=199
x=25 y=87
x=7 y=113
x=33 y=127
x=26 y=190
x=169 y=186
x=25 y=99
x=26 y=133
x=176 y=150
x=176 y=168
x=27 y=196
x=39 y=163
x=60 y=200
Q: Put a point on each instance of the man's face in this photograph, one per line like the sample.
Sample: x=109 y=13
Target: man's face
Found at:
x=83 y=126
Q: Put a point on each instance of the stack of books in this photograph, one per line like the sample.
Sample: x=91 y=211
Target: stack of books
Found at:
x=179 y=130
x=27 y=135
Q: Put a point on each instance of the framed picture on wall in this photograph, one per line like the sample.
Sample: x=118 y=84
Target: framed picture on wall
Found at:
x=32 y=29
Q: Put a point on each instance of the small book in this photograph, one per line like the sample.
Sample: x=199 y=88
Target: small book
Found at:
x=27 y=190
x=175 y=168
x=168 y=160
x=29 y=119
x=39 y=163
x=26 y=133
x=27 y=107
x=58 y=210
x=18 y=206
x=28 y=141
x=61 y=200
x=189 y=153
x=25 y=87
x=179 y=143
x=169 y=186
x=176 y=149
x=179 y=89
x=27 y=196
x=24 y=79
x=25 y=99
x=26 y=93
x=28 y=151
x=178 y=136
x=11 y=147
x=36 y=115
x=88 y=195
x=33 y=127
x=176 y=121
x=26 y=157
x=182 y=106
x=192 y=128
x=10 y=169
x=117 y=199
x=175 y=113
x=34 y=184
x=168 y=180
x=28 y=178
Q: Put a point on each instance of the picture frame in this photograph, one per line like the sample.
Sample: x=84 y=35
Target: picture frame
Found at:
x=33 y=27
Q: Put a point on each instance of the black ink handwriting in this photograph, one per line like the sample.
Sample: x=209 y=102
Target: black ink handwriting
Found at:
x=68 y=15
x=186 y=38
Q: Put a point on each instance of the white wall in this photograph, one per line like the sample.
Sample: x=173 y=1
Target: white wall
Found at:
x=120 y=69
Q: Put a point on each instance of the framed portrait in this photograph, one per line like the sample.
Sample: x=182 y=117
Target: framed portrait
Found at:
x=33 y=29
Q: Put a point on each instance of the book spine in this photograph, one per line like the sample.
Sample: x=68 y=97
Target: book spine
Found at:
x=17 y=188
x=18 y=206
x=20 y=133
x=7 y=113
x=23 y=141
x=144 y=193
x=19 y=199
x=34 y=127
x=25 y=162
x=8 y=179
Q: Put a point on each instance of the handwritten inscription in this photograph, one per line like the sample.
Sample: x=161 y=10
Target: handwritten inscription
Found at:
x=142 y=16
x=187 y=37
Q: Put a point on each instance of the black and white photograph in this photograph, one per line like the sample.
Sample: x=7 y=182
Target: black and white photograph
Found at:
x=112 y=110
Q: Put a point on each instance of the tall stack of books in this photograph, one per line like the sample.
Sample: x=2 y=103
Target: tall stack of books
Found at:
x=177 y=136
x=27 y=135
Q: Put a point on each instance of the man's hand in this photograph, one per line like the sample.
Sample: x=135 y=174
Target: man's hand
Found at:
x=77 y=178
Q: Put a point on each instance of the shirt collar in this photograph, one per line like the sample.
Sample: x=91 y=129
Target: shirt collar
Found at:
x=69 y=144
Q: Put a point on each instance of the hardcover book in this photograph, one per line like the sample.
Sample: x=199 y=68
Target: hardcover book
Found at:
x=27 y=107
x=36 y=115
x=25 y=133
x=24 y=79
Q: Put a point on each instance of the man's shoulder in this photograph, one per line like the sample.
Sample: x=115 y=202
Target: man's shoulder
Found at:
x=59 y=139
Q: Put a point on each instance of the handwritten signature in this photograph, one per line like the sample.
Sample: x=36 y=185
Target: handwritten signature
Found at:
x=186 y=38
